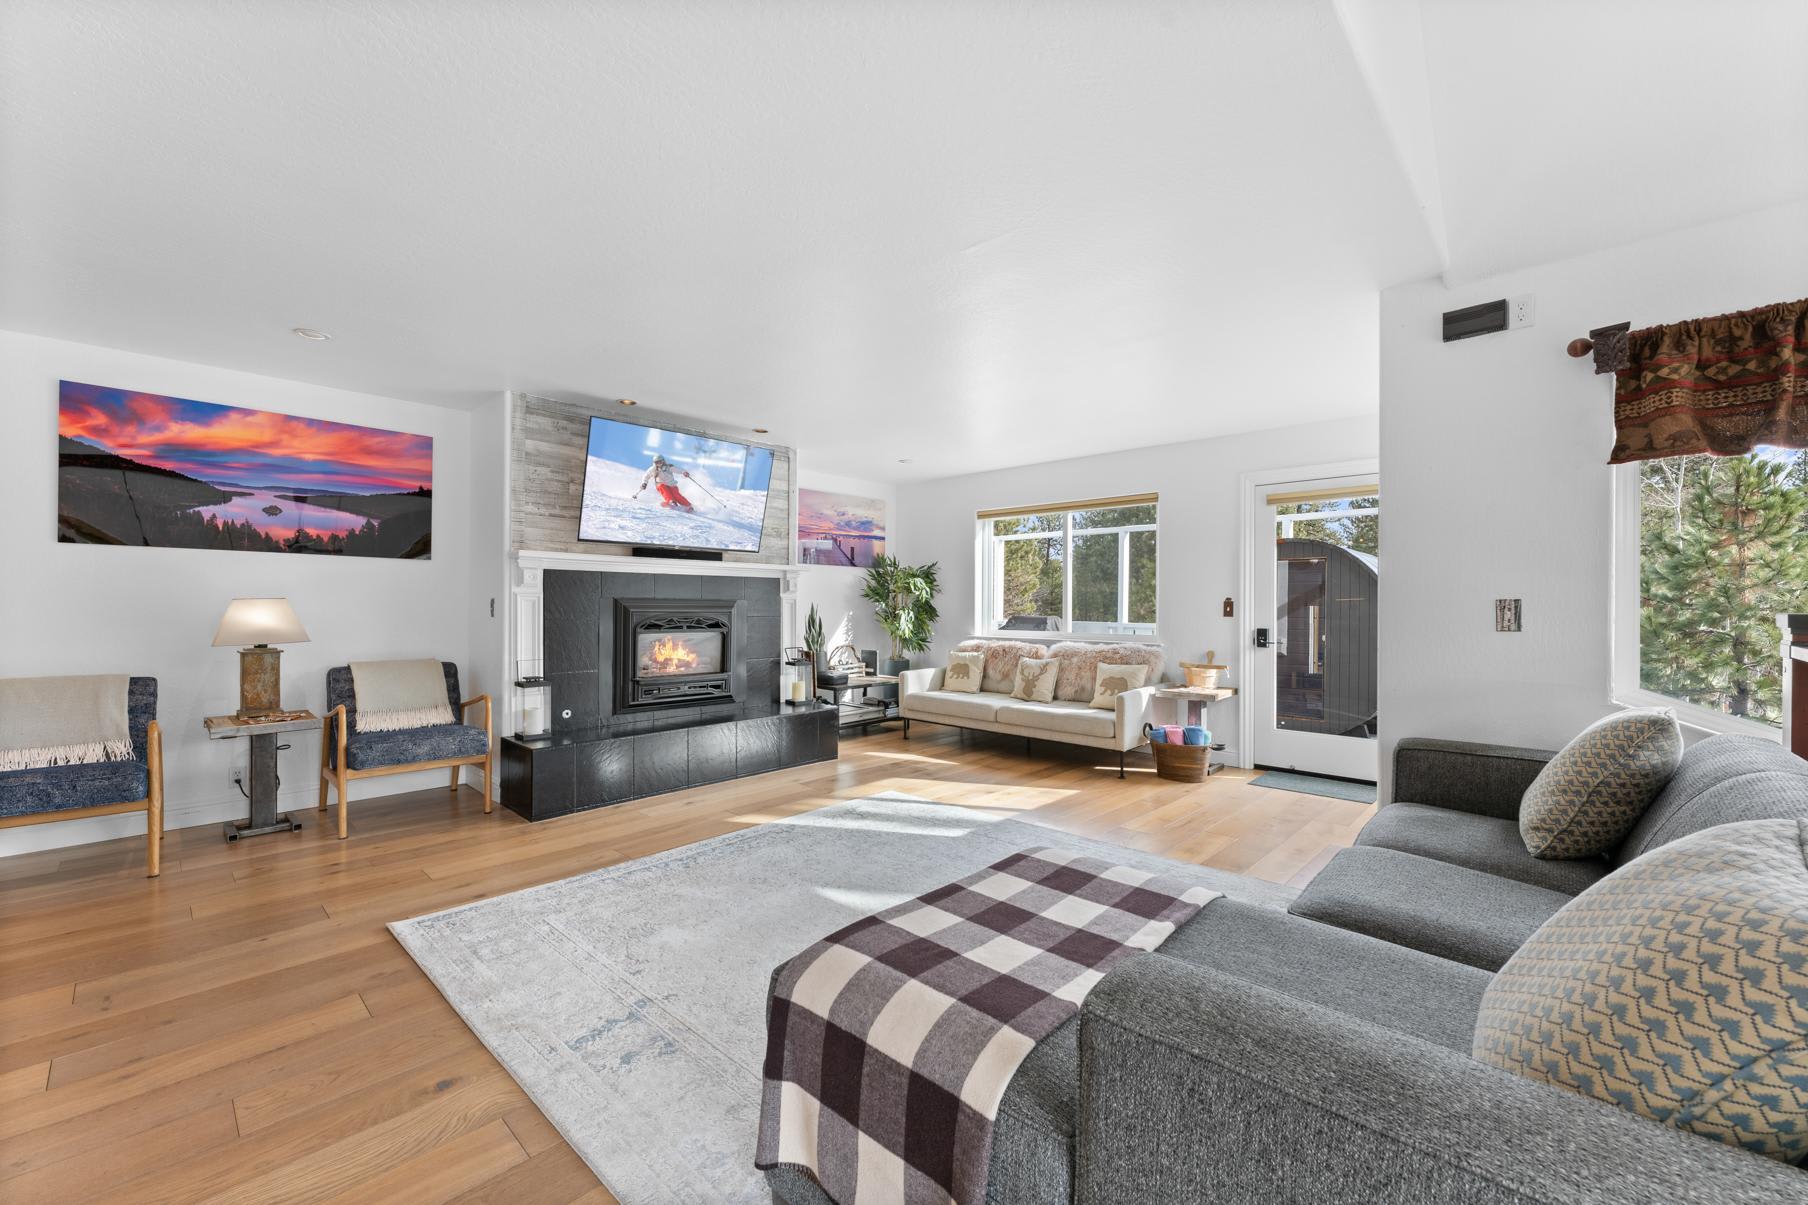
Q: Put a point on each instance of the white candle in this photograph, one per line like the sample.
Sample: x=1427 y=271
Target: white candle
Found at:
x=530 y=718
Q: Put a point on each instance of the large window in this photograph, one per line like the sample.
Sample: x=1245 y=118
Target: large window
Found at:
x=1711 y=550
x=1086 y=568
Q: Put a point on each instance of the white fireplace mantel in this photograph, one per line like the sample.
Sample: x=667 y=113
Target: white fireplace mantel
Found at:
x=527 y=560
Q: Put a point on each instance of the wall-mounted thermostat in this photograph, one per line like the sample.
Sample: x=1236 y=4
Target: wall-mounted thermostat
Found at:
x=1506 y=615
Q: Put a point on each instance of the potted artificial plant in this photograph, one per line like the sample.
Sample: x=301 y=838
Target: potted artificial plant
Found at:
x=813 y=642
x=903 y=598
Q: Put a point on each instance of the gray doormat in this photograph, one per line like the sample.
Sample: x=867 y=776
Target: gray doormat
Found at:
x=629 y=1002
x=1312 y=784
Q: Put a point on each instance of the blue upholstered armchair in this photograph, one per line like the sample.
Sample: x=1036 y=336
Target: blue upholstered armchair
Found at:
x=104 y=788
x=370 y=754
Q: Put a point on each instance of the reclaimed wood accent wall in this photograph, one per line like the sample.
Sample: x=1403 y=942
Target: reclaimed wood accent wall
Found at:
x=547 y=442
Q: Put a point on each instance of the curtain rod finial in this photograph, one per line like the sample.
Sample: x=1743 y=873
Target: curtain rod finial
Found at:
x=1580 y=347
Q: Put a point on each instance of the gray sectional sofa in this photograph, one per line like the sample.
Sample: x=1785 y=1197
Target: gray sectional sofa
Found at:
x=1321 y=1053
x=1443 y=870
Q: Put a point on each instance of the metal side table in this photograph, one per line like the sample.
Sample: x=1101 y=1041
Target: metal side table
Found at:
x=262 y=781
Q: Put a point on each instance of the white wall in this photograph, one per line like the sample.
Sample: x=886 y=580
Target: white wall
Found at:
x=73 y=608
x=1198 y=533
x=1493 y=458
x=835 y=591
x=489 y=668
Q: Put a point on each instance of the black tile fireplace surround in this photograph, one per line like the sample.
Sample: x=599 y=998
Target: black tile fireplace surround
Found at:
x=725 y=721
x=579 y=616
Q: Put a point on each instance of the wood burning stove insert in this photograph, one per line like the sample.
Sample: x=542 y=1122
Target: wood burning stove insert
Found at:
x=672 y=652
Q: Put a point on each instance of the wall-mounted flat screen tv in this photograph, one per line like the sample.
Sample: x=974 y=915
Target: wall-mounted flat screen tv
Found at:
x=657 y=487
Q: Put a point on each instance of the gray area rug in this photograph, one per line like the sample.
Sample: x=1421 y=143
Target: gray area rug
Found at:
x=629 y=1002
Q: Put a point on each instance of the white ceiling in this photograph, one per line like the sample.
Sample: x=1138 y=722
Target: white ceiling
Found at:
x=1567 y=125
x=967 y=234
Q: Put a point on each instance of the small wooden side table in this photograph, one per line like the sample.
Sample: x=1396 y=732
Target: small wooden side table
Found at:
x=263 y=731
x=1197 y=700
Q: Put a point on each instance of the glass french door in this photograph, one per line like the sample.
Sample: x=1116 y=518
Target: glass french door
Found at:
x=1313 y=680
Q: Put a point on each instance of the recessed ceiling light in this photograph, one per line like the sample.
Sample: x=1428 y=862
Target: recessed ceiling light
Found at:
x=628 y=401
x=308 y=332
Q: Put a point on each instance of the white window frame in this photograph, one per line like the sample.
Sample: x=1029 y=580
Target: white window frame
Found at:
x=988 y=594
x=1624 y=688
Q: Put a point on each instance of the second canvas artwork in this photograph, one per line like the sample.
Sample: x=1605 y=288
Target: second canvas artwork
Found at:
x=839 y=529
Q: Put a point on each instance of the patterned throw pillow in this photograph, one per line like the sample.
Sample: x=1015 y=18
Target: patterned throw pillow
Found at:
x=1110 y=681
x=1676 y=988
x=1036 y=680
x=964 y=672
x=1585 y=801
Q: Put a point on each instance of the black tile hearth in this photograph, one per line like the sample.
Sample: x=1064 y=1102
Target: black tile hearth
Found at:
x=605 y=773
x=661 y=762
x=636 y=756
x=758 y=746
x=712 y=753
x=547 y=777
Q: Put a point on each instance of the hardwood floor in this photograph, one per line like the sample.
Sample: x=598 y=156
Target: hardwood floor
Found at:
x=245 y=1029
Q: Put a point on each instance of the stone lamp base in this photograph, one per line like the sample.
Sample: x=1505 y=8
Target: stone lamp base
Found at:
x=260 y=681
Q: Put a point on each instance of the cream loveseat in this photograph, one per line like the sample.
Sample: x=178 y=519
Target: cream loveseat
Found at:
x=1068 y=719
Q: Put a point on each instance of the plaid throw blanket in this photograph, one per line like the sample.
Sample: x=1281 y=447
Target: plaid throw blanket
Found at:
x=890 y=1043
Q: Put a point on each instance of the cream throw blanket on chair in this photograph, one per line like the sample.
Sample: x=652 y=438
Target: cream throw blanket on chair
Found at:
x=394 y=695
x=64 y=721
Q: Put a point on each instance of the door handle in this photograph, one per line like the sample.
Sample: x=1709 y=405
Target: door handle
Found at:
x=1261 y=638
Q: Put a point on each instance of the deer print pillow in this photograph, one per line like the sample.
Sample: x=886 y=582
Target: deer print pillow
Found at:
x=1113 y=680
x=1036 y=680
x=963 y=672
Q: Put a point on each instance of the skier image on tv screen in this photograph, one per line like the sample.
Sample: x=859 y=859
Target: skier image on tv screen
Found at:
x=652 y=486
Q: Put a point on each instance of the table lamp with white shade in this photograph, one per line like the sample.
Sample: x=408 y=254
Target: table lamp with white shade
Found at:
x=259 y=623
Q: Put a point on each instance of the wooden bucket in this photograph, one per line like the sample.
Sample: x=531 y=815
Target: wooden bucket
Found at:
x=1204 y=674
x=1179 y=763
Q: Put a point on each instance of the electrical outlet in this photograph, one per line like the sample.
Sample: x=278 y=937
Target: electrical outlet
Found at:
x=1520 y=311
x=236 y=776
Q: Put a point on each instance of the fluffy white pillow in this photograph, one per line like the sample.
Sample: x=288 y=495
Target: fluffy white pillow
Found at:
x=1036 y=679
x=1110 y=681
x=964 y=672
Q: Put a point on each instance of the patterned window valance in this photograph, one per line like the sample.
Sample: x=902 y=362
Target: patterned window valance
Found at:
x=1720 y=386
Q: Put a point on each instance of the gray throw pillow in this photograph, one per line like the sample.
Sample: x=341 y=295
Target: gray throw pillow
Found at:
x=1585 y=801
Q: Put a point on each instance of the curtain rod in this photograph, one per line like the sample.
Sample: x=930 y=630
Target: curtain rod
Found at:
x=1581 y=347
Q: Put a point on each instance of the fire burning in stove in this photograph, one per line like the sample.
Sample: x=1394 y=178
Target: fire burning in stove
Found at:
x=669 y=655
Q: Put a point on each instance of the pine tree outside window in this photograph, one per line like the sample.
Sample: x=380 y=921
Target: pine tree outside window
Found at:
x=1087 y=569
x=1708 y=551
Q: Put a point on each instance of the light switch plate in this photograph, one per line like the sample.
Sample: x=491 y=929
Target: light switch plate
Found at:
x=1506 y=614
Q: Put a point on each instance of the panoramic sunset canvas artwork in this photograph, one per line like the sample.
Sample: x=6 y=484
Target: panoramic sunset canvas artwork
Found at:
x=170 y=472
x=839 y=529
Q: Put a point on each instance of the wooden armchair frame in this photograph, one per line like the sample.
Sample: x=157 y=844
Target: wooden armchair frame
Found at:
x=337 y=777
x=151 y=805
